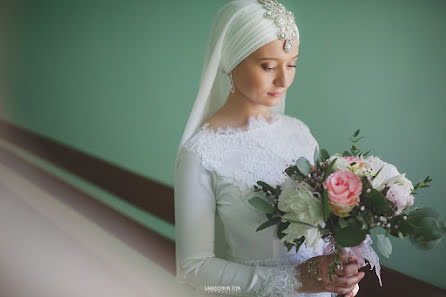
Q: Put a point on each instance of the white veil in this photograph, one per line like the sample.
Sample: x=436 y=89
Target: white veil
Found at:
x=239 y=28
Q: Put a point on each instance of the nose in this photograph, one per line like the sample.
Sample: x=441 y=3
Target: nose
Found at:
x=282 y=78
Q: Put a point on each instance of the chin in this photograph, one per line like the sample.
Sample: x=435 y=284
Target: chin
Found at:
x=273 y=102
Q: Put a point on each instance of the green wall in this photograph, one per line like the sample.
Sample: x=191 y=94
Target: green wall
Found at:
x=117 y=79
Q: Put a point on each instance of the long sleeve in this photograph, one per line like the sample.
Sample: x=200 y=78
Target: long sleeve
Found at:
x=197 y=266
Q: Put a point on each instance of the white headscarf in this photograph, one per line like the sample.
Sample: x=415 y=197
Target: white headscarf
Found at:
x=239 y=28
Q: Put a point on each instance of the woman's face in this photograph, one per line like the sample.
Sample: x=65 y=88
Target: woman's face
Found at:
x=266 y=74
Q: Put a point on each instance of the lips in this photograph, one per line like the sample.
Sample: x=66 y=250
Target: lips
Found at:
x=275 y=94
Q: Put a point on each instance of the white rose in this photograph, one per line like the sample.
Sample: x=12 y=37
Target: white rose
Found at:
x=402 y=180
x=401 y=196
x=340 y=164
x=387 y=172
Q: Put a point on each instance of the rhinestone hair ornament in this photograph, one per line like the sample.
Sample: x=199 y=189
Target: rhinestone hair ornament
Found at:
x=284 y=19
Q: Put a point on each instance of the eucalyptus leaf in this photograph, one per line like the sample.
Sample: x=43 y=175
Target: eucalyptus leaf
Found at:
x=261 y=204
x=428 y=229
x=384 y=245
x=303 y=165
x=424 y=245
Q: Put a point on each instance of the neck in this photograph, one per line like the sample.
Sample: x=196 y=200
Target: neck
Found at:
x=240 y=109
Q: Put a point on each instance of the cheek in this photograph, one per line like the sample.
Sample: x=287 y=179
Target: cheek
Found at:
x=261 y=81
x=255 y=82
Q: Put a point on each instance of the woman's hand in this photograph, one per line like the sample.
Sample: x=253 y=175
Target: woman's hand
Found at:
x=354 y=292
x=315 y=278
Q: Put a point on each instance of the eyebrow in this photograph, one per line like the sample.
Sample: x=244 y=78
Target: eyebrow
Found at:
x=267 y=58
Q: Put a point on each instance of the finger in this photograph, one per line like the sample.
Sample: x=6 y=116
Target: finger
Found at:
x=353 y=292
x=342 y=291
x=346 y=291
x=348 y=269
x=347 y=282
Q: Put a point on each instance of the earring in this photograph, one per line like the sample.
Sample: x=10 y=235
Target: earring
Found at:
x=232 y=83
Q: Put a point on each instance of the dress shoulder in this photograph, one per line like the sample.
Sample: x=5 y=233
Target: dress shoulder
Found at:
x=293 y=121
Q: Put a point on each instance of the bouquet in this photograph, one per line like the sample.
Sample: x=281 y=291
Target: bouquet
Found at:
x=341 y=199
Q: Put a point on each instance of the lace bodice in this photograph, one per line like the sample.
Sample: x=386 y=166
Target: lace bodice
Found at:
x=215 y=175
x=259 y=152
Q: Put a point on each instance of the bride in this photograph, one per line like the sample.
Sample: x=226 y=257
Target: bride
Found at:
x=237 y=134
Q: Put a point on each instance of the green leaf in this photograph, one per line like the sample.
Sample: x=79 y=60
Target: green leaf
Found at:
x=377 y=173
x=346 y=154
x=418 y=214
x=366 y=153
x=265 y=186
x=350 y=236
x=358 y=139
x=324 y=155
x=384 y=245
x=325 y=209
x=376 y=201
x=356 y=133
x=316 y=155
x=268 y=223
x=427 y=229
x=303 y=165
x=299 y=222
x=416 y=186
x=342 y=223
x=282 y=226
x=329 y=168
x=261 y=204
x=424 y=245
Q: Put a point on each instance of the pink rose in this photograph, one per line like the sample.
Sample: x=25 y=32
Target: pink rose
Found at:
x=344 y=188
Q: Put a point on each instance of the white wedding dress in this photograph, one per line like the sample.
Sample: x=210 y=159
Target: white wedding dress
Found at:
x=217 y=247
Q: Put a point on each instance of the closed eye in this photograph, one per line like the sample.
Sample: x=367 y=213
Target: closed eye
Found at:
x=272 y=68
